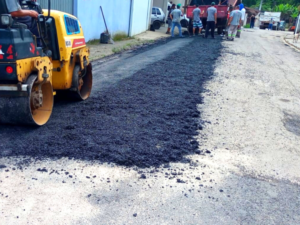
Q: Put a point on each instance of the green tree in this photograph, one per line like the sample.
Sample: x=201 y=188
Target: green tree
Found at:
x=269 y=5
x=286 y=10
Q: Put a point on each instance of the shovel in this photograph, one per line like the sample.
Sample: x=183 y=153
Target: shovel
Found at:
x=105 y=37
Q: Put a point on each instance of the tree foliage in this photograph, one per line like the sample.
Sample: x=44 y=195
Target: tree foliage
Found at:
x=286 y=10
x=270 y=4
x=286 y=7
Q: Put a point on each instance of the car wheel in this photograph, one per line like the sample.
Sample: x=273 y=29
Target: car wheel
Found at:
x=184 y=23
x=156 y=25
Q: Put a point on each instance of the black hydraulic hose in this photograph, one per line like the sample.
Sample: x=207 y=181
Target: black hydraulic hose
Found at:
x=49 y=8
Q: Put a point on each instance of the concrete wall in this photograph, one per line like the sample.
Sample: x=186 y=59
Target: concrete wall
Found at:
x=117 y=15
x=128 y=16
x=140 y=16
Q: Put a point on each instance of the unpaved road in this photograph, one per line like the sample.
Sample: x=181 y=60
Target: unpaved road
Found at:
x=190 y=131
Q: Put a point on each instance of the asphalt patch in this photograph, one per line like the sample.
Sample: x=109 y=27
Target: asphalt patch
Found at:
x=292 y=123
x=149 y=119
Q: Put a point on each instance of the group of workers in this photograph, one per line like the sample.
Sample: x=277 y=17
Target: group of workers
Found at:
x=235 y=19
x=234 y=23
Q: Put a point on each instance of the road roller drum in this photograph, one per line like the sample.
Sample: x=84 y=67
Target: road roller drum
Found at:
x=31 y=106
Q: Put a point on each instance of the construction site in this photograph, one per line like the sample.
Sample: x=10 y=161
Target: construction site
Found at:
x=160 y=130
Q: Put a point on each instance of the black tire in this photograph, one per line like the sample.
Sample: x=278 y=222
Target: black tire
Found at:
x=156 y=25
x=184 y=23
x=81 y=86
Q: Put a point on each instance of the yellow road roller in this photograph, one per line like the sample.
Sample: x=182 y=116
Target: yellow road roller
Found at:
x=30 y=76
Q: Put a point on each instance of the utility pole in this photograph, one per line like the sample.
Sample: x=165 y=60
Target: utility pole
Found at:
x=261 y=2
x=298 y=21
x=185 y=5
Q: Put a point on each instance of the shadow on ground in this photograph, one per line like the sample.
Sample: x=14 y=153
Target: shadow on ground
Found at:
x=146 y=120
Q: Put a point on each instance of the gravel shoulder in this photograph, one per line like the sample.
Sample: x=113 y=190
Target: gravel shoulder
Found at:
x=100 y=51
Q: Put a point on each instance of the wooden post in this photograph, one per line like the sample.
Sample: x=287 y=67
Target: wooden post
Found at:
x=185 y=5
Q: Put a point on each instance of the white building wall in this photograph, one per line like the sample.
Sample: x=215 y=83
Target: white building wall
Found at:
x=140 y=16
x=116 y=12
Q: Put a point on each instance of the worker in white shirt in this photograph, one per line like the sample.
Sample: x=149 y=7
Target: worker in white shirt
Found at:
x=170 y=3
x=243 y=11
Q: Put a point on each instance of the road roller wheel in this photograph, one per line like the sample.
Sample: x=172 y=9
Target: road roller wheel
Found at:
x=82 y=82
x=41 y=103
x=33 y=109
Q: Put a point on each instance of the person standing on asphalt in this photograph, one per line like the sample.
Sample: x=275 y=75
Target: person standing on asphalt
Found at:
x=175 y=16
x=228 y=16
x=211 y=21
x=196 y=20
x=170 y=19
x=234 y=22
x=239 y=31
x=252 y=21
x=271 y=24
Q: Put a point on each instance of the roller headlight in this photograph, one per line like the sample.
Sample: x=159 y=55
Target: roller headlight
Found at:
x=6 y=20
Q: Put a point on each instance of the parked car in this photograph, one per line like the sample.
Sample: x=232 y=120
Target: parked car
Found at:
x=157 y=17
x=281 y=25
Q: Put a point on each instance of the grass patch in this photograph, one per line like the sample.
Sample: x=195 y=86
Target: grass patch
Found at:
x=117 y=50
x=129 y=46
x=93 y=42
x=121 y=36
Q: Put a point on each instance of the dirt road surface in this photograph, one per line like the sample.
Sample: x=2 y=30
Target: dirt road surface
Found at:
x=186 y=131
